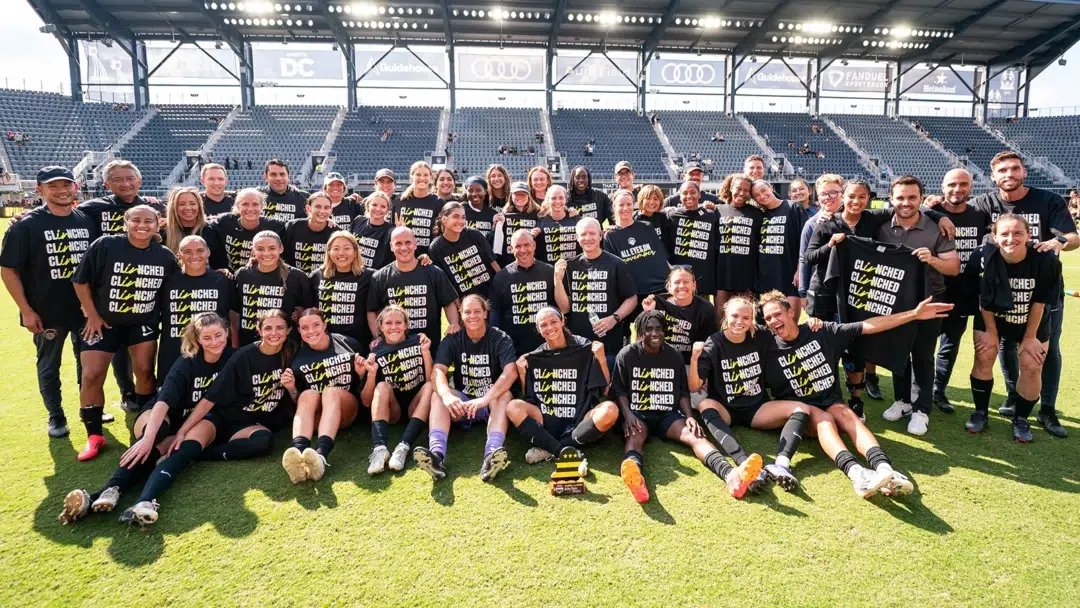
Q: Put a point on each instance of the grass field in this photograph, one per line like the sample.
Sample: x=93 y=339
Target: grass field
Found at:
x=992 y=522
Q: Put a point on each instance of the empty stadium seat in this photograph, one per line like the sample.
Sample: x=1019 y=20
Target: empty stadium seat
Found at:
x=360 y=151
x=781 y=129
x=264 y=132
x=897 y=145
x=692 y=132
x=161 y=143
x=619 y=135
x=478 y=133
x=1057 y=138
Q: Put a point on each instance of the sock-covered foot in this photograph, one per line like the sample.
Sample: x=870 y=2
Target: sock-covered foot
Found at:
x=632 y=477
x=429 y=462
x=740 y=478
x=293 y=463
x=314 y=464
x=76 y=506
x=494 y=462
x=858 y=407
x=398 y=458
x=378 y=459
x=783 y=477
x=94 y=444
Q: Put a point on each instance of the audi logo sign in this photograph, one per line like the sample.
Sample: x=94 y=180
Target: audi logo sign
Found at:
x=505 y=69
x=687 y=73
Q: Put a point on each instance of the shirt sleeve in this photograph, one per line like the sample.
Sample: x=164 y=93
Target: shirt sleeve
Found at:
x=306 y=297
x=626 y=285
x=1061 y=222
x=443 y=355
x=680 y=374
x=619 y=376
x=845 y=333
x=705 y=361
x=504 y=351
x=15 y=252
x=222 y=391
x=177 y=381
x=301 y=382
x=376 y=293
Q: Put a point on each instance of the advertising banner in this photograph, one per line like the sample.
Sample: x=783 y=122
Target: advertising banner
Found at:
x=865 y=79
x=775 y=75
x=596 y=71
x=401 y=66
x=699 y=72
x=289 y=64
x=940 y=82
x=477 y=67
x=190 y=62
x=1004 y=87
x=105 y=64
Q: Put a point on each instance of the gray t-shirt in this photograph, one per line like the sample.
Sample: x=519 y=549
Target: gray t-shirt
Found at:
x=924 y=233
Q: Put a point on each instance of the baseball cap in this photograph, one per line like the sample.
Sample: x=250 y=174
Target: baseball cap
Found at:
x=623 y=165
x=333 y=176
x=53 y=173
x=691 y=167
x=381 y=173
x=519 y=187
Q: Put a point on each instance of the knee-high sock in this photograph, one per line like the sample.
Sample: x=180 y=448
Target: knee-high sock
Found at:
x=239 y=449
x=790 y=437
x=980 y=393
x=380 y=429
x=876 y=457
x=324 y=445
x=437 y=442
x=495 y=440
x=538 y=436
x=412 y=431
x=170 y=469
x=585 y=432
x=126 y=479
x=91 y=418
x=718 y=464
x=723 y=435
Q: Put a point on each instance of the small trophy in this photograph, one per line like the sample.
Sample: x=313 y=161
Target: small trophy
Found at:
x=566 y=480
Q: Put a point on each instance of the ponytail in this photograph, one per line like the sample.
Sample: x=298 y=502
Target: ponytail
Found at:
x=189 y=339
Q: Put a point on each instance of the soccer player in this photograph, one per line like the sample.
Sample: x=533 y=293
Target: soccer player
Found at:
x=694 y=237
x=557 y=236
x=268 y=284
x=237 y=229
x=693 y=172
x=463 y=253
x=778 y=251
x=284 y=202
x=588 y=201
x=739 y=233
x=372 y=230
x=305 y=238
x=345 y=209
x=688 y=317
x=340 y=289
x=419 y=207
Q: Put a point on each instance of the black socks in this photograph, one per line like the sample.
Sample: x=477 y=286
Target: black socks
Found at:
x=792 y=434
x=876 y=457
x=723 y=435
x=239 y=449
x=324 y=445
x=585 y=432
x=845 y=460
x=412 y=431
x=169 y=469
x=126 y=479
x=636 y=456
x=980 y=393
x=1024 y=407
x=718 y=464
x=301 y=443
x=538 y=436
x=91 y=418
x=142 y=400
x=379 y=430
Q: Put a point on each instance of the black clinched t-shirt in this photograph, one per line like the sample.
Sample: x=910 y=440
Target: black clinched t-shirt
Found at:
x=419 y=214
x=512 y=222
x=644 y=252
x=1046 y=211
x=187 y=380
x=212 y=207
x=305 y=248
x=248 y=389
x=684 y=325
x=258 y=292
x=183 y=297
x=735 y=372
x=401 y=365
x=778 y=250
x=481 y=220
x=652 y=383
x=237 y=240
x=477 y=364
x=287 y=206
x=600 y=286
x=806 y=369
x=660 y=223
x=345 y=212
x=422 y=292
x=737 y=247
x=557 y=240
x=876 y=280
x=45 y=250
x=564 y=383
x=467 y=262
x=693 y=241
x=319 y=370
x=972 y=226
x=517 y=294
x=374 y=242
x=108 y=212
x=126 y=280
x=1033 y=280
x=343 y=302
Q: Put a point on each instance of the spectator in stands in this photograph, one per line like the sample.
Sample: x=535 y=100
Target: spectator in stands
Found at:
x=502 y=149
x=820 y=154
x=539 y=137
x=539 y=180
x=449 y=138
x=531 y=149
x=754 y=166
x=386 y=135
x=249 y=165
x=718 y=137
x=790 y=144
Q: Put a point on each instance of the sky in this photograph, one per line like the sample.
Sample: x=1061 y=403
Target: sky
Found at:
x=30 y=59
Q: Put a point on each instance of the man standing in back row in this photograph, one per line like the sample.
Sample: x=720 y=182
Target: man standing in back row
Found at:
x=284 y=202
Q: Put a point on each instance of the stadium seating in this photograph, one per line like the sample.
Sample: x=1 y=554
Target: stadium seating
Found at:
x=693 y=132
x=478 y=133
x=897 y=145
x=782 y=129
x=619 y=135
x=60 y=130
x=1057 y=138
x=264 y=132
x=161 y=143
x=359 y=150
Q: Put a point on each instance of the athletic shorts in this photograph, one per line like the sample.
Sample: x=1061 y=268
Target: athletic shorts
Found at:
x=174 y=419
x=118 y=337
x=743 y=416
x=1006 y=332
x=404 y=398
x=658 y=423
x=229 y=425
x=481 y=413
x=559 y=427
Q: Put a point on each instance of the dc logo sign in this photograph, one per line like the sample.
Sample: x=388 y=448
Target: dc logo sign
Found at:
x=501 y=70
x=688 y=73
x=297 y=68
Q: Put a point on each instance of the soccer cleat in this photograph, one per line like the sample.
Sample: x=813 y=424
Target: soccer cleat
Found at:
x=918 y=423
x=107 y=417
x=872 y=389
x=378 y=459
x=398 y=458
x=107 y=501
x=293 y=463
x=58 y=428
x=314 y=464
x=535 y=455
x=1049 y=421
x=1022 y=431
x=94 y=443
x=428 y=462
x=143 y=513
x=782 y=476
x=856 y=405
x=897 y=485
x=896 y=411
x=758 y=485
x=1007 y=409
x=631 y=476
x=740 y=478
x=76 y=506
x=867 y=482
x=942 y=402
x=127 y=403
x=977 y=422
x=494 y=463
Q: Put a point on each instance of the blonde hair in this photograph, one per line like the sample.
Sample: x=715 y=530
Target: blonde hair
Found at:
x=174 y=230
x=189 y=339
x=648 y=191
x=774 y=296
x=244 y=193
x=829 y=178
x=391 y=309
x=328 y=268
x=384 y=196
x=418 y=165
x=317 y=195
x=739 y=300
x=545 y=207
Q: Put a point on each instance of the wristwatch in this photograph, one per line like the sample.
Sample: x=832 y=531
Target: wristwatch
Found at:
x=1061 y=239
x=617 y=317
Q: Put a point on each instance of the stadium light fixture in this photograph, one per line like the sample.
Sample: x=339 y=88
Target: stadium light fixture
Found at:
x=609 y=18
x=901 y=32
x=817 y=27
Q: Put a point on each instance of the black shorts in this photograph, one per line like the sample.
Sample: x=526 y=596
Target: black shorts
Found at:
x=404 y=398
x=174 y=419
x=559 y=427
x=1006 y=332
x=120 y=337
x=743 y=416
x=658 y=423
x=229 y=425
x=821 y=306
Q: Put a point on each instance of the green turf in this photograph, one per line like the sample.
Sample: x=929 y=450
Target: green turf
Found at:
x=993 y=523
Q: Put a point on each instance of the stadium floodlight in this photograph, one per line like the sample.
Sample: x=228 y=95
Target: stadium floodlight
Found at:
x=866 y=43
x=711 y=23
x=678 y=21
x=784 y=40
x=496 y=13
x=774 y=38
x=287 y=8
x=816 y=27
x=277 y=8
x=382 y=10
x=901 y=32
x=609 y=18
x=232 y=6
x=213 y=6
x=454 y=12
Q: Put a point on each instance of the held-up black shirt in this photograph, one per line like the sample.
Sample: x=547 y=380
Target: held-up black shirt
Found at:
x=374 y=242
x=183 y=297
x=737 y=247
x=557 y=240
x=187 y=380
x=778 y=251
x=512 y=223
x=126 y=280
x=652 y=383
x=401 y=365
x=467 y=262
x=684 y=325
x=807 y=368
x=108 y=212
x=564 y=383
x=517 y=294
x=644 y=252
x=236 y=241
x=735 y=373
x=248 y=389
x=423 y=292
x=319 y=370
x=258 y=292
x=343 y=302
x=599 y=285
x=45 y=250
x=420 y=214
x=694 y=242
x=476 y=364
x=972 y=226
x=287 y=206
x=305 y=248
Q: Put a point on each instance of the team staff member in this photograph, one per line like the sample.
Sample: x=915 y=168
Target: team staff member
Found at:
x=803 y=367
x=305 y=238
x=624 y=178
x=830 y=190
x=638 y=245
x=601 y=291
x=778 y=251
x=484 y=371
x=195 y=290
x=962 y=290
x=419 y=207
x=119 y=283
x=205 y=352
x=423 y=291
x=693 y=173
x=463 y=253
x=215 y=199
x=520 y=290
x=340 y=289
x=588 y=201
x=650 y=386
x=754 y=166
x=519 y=213
x=1018 y=283
x=237 y=230
x=322 y=379
x=284 y=202
x=916 y=230
x=372 y=231
x=268 y=284
x=650 y=209
x=345 y=209
x=39 y=256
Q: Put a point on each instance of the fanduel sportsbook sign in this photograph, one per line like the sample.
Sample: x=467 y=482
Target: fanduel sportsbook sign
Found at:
x=401 y=66
x=288 y=64
x=501 y=68
x=870 y=79
x=697 y=72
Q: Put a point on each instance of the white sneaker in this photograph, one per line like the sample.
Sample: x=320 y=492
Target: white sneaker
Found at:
x=535 y=455
x=107 y=501
x=293 y=463
x=896 y=411
x=314 y=464
x=867 y=482
x=398 y=458
x=377 y=461
x=918 y=423
x=898 y=485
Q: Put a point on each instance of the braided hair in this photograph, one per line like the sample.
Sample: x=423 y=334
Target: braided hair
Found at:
x=649 y=315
